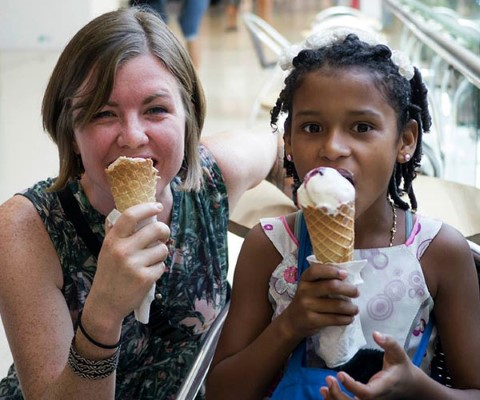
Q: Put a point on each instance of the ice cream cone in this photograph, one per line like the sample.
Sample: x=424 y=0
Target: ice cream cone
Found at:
x=132 y=181
x=332 y=235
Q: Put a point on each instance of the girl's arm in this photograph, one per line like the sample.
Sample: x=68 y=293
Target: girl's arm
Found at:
x=252 y=348
x=449 y=265
x=36 y=318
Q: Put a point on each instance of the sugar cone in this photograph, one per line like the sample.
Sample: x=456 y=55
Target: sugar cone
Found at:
x=332 y=236
x=132 y=181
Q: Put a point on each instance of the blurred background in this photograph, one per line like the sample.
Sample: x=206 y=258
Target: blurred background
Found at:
x=240 y=77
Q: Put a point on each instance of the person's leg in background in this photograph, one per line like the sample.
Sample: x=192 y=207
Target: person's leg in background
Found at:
x=160 y=6
x=233 y=7
x=190 y=19
x=264 y=9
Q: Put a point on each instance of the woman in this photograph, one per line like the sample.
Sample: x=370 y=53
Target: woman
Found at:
x=123 y=86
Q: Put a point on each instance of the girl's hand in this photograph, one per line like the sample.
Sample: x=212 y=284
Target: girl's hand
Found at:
x=130 y=261
x=394 y=381
x=316 y=303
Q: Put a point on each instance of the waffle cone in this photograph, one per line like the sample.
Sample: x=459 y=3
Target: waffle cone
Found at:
x=132 y=181
x=332 y=236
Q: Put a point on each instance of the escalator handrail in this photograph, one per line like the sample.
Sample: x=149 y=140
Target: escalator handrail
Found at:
x=459 y=57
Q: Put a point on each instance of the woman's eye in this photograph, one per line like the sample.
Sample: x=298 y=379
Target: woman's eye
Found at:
x=312 y=128
x=362 y=128
x=103 y=114
x=156 y=110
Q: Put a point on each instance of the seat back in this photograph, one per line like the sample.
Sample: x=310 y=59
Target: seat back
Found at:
x=198 y=371
x=455 y=203
x=267 y=41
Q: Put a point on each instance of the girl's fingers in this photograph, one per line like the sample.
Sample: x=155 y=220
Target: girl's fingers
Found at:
x=323 y=271
x=394 y=353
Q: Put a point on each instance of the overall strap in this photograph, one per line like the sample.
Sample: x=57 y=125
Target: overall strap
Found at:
x=408 y=223
x=305 y=246
x=76 y=217
x=422 y=347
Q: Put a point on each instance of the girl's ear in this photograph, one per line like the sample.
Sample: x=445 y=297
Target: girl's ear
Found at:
x=287 y=137
x=408 y=142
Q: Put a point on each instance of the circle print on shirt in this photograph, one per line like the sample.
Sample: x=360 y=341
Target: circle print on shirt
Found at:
x=380 y=307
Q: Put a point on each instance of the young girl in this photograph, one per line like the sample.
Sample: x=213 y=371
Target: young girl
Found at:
x=354 y=104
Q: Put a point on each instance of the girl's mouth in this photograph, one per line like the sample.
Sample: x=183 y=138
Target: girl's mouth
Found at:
x=347 y=175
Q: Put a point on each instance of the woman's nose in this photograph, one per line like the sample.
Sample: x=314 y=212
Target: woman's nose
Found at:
x=335 y=146
x=132 y=134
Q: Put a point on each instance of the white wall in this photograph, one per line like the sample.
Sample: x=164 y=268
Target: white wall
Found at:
x=32 y=34
x=45 y=24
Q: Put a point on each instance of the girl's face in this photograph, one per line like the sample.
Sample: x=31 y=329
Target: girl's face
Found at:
x=144 y=117
x=340 y=119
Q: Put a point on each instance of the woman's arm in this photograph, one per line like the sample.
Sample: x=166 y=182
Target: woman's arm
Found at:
x=35 y=315
x=244 y=157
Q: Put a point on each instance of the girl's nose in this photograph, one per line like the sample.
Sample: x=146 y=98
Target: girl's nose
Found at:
x=132 y=134
x=335 y=146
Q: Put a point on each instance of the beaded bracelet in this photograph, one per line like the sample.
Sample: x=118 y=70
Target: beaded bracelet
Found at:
x=90 y=339
x=92 y=369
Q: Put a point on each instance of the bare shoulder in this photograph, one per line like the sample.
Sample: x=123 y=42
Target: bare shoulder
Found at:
x=24 y=241
x=259 y=249
x=447 y=258
x=258 y=255
x=20 y=221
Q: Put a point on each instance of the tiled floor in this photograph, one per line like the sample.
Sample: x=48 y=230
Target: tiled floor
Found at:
x=230 y=73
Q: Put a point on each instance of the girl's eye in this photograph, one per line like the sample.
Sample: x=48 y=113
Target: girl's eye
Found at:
x=312 y=128
x=362 y=128
x=103 y=114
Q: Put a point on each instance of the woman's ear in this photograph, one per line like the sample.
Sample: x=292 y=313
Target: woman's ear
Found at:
x=76 y=150
x=408 y=142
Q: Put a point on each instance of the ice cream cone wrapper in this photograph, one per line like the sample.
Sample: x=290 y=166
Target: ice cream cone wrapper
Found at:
x=133 y=181
x=336 y=345
x=332 y=235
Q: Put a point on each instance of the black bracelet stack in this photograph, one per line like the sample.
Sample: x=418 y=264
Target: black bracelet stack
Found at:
x=92 y=369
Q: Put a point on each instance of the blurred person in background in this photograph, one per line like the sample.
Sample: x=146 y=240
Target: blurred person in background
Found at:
x=190 y=19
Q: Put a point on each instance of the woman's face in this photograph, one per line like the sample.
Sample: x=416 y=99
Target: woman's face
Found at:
x=340 y=119
x=144 y=117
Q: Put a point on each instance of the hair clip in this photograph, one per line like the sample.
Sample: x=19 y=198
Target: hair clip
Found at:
x=328 y=37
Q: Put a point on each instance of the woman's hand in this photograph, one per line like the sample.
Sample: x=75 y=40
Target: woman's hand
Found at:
x=130 y=261
x=394 y=381
x=317 y=304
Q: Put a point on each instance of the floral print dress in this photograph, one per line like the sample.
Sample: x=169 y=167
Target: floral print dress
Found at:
x=193 y=288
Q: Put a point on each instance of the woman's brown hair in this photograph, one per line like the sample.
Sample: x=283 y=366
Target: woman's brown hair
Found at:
x=86 y=71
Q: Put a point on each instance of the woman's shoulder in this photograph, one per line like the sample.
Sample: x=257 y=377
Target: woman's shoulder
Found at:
x=22 y=232
x=24 y=212
x=16 y=212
